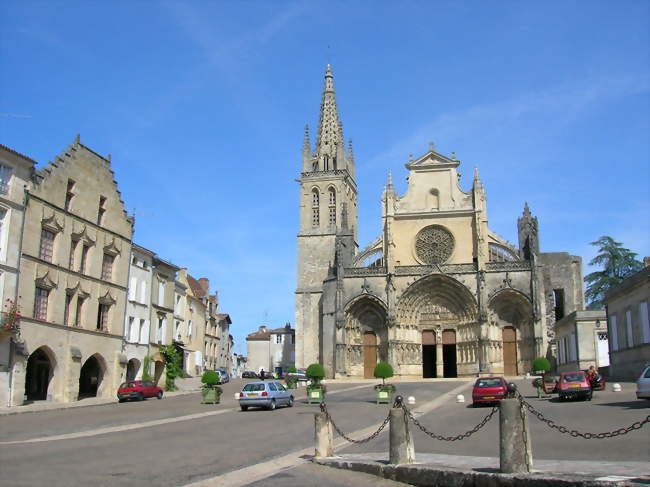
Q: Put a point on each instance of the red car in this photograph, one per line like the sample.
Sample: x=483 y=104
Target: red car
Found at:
x=574 y=385
x=489 y=389
x=138 y=390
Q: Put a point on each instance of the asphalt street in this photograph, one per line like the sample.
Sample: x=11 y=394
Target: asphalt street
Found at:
x=179 y=441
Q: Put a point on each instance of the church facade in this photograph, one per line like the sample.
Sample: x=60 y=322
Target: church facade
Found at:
x=437 y=293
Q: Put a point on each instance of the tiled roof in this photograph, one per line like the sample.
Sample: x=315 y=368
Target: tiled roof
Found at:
x=15 y=152
x=224 y=316
x=265 y=335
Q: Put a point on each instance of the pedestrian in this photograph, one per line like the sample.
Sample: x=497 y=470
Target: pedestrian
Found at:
x=262 y=374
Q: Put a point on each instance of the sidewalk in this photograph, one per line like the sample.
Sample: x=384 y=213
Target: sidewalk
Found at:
x=433 y=469
x=185 y=386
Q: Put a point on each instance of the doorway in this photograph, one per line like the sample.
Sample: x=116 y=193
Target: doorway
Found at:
x=449 y=353
x=90 y=378
x=509 y=350
x=132 y=369
x=369 y=354
x=39 y=373
x=429 y=355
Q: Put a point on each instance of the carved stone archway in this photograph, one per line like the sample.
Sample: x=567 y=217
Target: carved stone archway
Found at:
x=365 y=318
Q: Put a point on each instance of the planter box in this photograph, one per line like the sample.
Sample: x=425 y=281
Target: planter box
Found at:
x=211 y=395
x=292 y=385
x=385 y=395
x=315 y=395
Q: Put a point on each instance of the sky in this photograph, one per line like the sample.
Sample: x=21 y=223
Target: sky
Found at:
x=202 y=106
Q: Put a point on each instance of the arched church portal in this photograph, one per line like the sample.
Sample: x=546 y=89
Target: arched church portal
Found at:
x=366 y=336
x=442 y=312
x=40 y=370
x=511 y=329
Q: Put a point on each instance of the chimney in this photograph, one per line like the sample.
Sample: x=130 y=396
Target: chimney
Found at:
x=205 y=284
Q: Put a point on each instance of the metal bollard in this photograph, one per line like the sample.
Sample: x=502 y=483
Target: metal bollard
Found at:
x=323 y=436
x=515 y=448
x=401 y=448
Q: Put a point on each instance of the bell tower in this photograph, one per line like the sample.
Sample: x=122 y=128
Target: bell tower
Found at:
x=328 y=207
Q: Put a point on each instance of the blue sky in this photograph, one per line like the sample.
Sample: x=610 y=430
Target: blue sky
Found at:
x=202 y=107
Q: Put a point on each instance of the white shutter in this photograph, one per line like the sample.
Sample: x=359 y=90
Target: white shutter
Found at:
x=143 y=292
x=613 y=335
x=645 y=325
x=628 y=329
x=132 y=288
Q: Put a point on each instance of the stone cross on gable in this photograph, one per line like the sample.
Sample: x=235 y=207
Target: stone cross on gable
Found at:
x=365 y=287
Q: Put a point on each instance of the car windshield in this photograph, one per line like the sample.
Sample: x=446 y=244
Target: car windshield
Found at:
x=127 y=385
x=488 y=383
x=577 y=377
x=254 y=387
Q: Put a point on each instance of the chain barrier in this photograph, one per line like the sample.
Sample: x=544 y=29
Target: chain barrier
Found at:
x=575 y=433
x=462 y=436
x=323 y=408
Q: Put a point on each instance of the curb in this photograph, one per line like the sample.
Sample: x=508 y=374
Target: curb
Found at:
x=423 y=475
x=72 y=405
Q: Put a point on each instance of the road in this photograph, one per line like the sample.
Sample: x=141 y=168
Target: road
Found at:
x=178 y=441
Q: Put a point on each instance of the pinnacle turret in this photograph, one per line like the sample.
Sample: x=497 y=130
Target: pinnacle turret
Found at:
x=329 y=144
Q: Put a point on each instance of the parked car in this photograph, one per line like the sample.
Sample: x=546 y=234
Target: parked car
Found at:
x=489 y=389
x=643 y=384
x=224 y=376
x=266 y=394
x=249 y=374
x=574 y=385
x=138 y=390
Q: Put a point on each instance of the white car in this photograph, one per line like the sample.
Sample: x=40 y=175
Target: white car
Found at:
x=643 y=384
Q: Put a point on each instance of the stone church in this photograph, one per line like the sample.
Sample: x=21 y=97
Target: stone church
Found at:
x=437 y=293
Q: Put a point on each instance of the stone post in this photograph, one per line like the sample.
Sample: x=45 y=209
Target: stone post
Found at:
x=515 y=446
x=323 y=434
x=401 y=448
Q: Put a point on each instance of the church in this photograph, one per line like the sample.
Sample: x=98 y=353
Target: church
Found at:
x=437 y=293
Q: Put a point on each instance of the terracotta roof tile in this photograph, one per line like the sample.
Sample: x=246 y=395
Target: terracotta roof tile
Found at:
x=195 y=285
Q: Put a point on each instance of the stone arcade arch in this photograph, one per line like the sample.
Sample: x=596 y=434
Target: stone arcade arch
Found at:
x=132 y=368
x=438 y=314
x=91 y=376
x=365 y=335
x=511 y=332
x=39 y=374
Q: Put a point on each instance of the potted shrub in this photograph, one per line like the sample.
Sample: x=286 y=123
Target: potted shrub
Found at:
x=384 y=391
x=211 y=391
x=291 y=380
x=315 y=390
x=544 y=385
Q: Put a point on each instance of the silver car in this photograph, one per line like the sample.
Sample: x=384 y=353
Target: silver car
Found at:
x=266 y=394
x=643 y=384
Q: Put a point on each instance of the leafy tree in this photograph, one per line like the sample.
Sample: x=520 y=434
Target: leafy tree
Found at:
x=146 y=375
x=617 y=263
x=383 y=371
x=173 y=362
x=210 y=378
x=541 y=364
x=315 y=372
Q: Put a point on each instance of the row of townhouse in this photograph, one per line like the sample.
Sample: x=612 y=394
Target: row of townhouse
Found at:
x=83 y=305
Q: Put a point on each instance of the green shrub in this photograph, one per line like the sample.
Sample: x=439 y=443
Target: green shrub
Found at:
x=210 y=378
x=173 y=362
x=146 y=375
x=541 y=364
x=383 y=371
x=315 y=372
x=291 y=370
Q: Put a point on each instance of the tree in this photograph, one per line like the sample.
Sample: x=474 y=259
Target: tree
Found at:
x=383 y=371
x=617 y=263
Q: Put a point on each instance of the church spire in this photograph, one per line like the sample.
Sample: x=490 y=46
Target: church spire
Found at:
x=329 y=144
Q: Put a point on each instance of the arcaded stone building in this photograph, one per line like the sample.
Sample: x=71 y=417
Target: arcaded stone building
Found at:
x=437 y=293
x=76 y=247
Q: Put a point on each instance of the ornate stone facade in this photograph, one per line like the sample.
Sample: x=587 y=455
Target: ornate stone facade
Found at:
x=437 y=294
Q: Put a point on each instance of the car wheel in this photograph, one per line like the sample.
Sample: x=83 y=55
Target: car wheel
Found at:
x=121 y=400
x=272 y=405
x=140 y=397
x=244 y=408
x=290 y=402
x=159 y=395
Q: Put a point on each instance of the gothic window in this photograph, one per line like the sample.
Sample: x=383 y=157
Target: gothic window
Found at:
x=332 y=207
x=107 y=267
x=66 y=309
x=47 y=245
x=102 y=317
x=69 y=195
x=73 y=250
x=101 y=210
x=315 y=210
x=78 y=315
x=84 y=258
x=5 y=176
x=40 y=303
x=434 y=244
